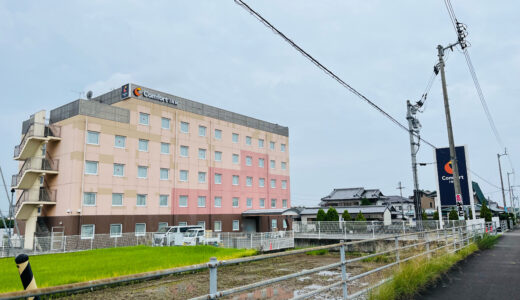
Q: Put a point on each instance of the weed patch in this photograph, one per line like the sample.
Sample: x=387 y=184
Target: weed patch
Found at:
x=487 y=241
x=318 y=252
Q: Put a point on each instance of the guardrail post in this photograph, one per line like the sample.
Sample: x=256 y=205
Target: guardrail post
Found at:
x=428 y=246
x=343 y=270
x=251 y=246
x=397 y=259
x=461 y=239
x=404 y=228
x=454 y=239
x=213 y=263
x=445 y=238
x=319 y=230
x=373 y=230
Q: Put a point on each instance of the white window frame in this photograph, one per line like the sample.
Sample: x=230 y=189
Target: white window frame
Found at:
x=184 y=124
x=273 y=183
x=237 y=177
x=124 y=141
x=204 y=178
x=219 y=226
x=84 y=237
x=97 y=167
x=274 y=223
x=219 y=176
x=122 y=199
x=180 y=175
x=237 y=202
x=284 y=165
x=234 y=137
x=202 y=150
x=284 y=203
x=183 y=223
x=272 y=145
x=261 y=162
x=215 y=201
x=142 y=168
x=145 y=142
x=249 y=140
x=249 y=181
x=261 y=182
x=282 y=147
x=202 y=223
x=199 y=201
x=203 y=128
x=137 y=200
x=236 y=225
x=164 y=224
x=142 y=114
x=167 y=120
x=273 y=200
x=185 y=149
x=260 y=143
x=249 y=202
x=182 y=197
x=219 y=135
x=89 y=193
x=167 y=200
x=284 y=184
x=261 y=202
x=235 y=158
x=120 y=234
x=161 y=174
x=140 y=233
x=219 y=155
x=272 y=163
x=122 y=167
x=167 y=147
x=94 y=133
x=249 y=161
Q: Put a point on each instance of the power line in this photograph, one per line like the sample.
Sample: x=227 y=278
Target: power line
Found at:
x=334 y=76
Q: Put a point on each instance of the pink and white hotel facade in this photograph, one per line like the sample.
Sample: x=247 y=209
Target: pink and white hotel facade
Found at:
x=136 y=159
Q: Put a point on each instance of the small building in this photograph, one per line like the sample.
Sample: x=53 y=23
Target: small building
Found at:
x=371 y=212
x=351 y=197
x=403 y=206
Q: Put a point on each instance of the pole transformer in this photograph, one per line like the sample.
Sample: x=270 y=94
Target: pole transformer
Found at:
x=414 y=128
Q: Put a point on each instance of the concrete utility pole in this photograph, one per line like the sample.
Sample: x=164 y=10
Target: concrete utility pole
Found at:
x=413 y=128
x=510 y=191
x=400 y=188
x=501 y=180
x=453 y=154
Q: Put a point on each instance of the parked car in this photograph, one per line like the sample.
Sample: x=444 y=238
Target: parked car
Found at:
x=198 y=236
x=172 y=235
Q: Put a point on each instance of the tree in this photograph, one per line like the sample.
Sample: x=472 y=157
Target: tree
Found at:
x=346 y=216
x=470 y=215
x=360 y=217
x=332 y=215
x=485 y=213
x=453 y=214
x=436 y=215
x=321 y=216
x=365 y=201
x=424 y=216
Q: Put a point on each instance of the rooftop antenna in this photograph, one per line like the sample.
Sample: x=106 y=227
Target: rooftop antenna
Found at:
x=80 y=93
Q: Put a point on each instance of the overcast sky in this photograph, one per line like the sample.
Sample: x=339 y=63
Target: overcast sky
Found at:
x=216 y=53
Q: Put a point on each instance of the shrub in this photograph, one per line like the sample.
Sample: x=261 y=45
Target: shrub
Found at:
x=321 y=216
x=485 y=213
x=332 y=215
x=453 y=214
x=346 y=216
x=360 y=217
x=487 y=241
x=436 y=215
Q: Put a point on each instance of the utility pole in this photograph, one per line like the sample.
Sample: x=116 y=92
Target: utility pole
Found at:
x=510 y=194
x=400 y=188
x=414 y=127
x=453 y=154
x=501 y=180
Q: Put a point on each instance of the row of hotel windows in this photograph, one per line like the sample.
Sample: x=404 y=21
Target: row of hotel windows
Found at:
x=144 y=119
x=116 y=230
x=120 y=142
x=89 y=199
x=91 y=168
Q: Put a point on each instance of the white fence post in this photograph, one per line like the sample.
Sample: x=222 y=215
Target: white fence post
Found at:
x=343 y=270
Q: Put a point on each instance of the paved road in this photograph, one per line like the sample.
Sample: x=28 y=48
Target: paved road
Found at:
x=491 y=274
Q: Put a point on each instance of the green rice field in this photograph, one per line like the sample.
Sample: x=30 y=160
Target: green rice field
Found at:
x=64 y=268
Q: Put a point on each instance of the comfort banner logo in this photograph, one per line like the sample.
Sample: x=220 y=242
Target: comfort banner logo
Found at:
x=448 y=168
x=137 y=92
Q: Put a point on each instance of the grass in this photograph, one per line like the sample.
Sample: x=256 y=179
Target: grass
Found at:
x=416 y=274
x=487 y=241
x=64 y=268
x=383 y=258
x=318 y=252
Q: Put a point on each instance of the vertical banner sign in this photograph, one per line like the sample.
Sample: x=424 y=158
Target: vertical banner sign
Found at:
x=446 y=188
x=125 y=91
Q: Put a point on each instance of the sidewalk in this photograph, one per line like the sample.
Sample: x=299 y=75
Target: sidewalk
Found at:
x=490 y=274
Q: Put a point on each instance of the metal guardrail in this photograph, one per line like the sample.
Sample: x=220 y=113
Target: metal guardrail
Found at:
x=44 y=194
x=35 y=163
x=452 y=240
x=48 y=130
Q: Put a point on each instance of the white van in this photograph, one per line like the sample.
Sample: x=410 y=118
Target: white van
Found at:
x=172 y=235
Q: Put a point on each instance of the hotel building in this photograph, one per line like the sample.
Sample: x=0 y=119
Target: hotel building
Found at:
x=135 y=159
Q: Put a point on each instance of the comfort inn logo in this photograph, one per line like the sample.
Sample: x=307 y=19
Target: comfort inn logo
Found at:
x=137 y=92
x=448 y=168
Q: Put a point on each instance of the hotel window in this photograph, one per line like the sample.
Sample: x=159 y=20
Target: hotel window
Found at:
x=183 y=223
x=185 y=127
x=274 y=223
x=218 y=178
x=218 y=134
x=183 y=201
x=217 y=226
x=119 y=170
x=218 y=156
x=282 y=147
x=165 y=123
x=184 y=151
x=162 y=225
x=249 y=181
x=87 y=231
x=271 y=145
x=284 y=184
x=116 y=230
x=273 y=183
x=248 y=140
x=165 y=148
x=141 y=200
x=202 y=224
x=261 y=162
x=140 y=229
x=89 y=199
x=201 y=201
x=142 y=172
x=218 y=201
x=144 y=119
x=165 y=174
x=202 y=130
x=249 y=161
x=273 y=203
x=260 y=143
x=249 y=202
x=261 y=182
x=91 y=167
x=284 y=165
x=183 y=175
x=235 y=180
x=236 y=225
x=163 y=200
x=117 y=199
x=273 y=164
x=235 y=201
x=202 y=177
x=202 y=153
x=284 y=203
x=143 y=145
x=235 y=158
x=92 y=138
x=120 y=141
x=262 y=202
x=234 y=138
